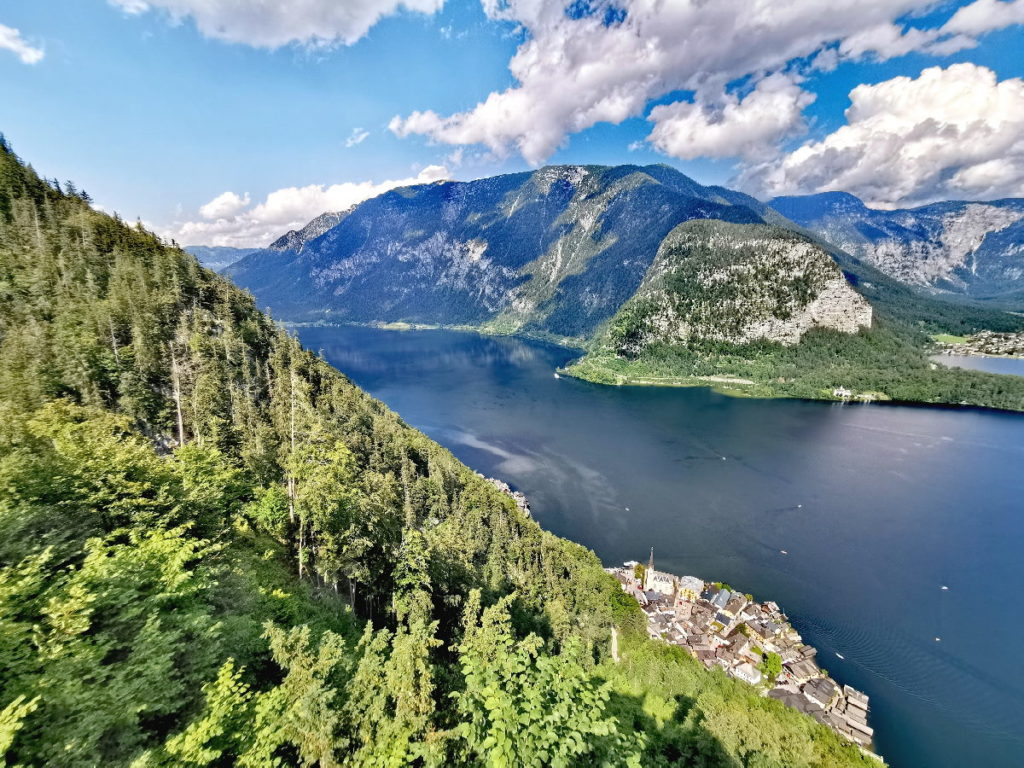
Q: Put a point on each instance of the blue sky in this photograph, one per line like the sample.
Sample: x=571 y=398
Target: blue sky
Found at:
x=158 y=108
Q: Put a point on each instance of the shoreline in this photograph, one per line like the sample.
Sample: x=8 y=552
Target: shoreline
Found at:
x=720 y=386
x=751 y=641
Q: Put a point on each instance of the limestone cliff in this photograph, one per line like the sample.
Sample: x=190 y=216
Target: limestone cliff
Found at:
x=736 y=283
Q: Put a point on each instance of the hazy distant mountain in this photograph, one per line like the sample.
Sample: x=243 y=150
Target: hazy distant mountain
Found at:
x=971 y=249
x=216 y=257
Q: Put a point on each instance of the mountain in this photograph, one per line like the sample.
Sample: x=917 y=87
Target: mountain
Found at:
x=554 y=252
x=758 y=310
x=215 y=550
x=295 y=240
x=216 y=257
x=661 y=279
x=974 y=250
x=737 y=283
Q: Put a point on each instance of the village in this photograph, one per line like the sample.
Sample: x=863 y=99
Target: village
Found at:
x=753 y=642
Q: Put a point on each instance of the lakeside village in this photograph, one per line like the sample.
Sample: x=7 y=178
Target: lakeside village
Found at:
x=753 y=642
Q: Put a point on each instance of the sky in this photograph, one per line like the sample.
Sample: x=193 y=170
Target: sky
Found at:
x=229 y=122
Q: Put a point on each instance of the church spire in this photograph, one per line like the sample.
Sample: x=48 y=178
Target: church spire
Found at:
x=648 y=574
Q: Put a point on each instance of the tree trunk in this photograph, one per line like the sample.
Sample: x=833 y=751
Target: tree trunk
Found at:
x=176 y=380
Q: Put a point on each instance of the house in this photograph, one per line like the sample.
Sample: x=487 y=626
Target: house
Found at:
x=734 y=607
x=796 y=701
x=718 y=597
x=842 y=393
x=746 y=647
x=706 y=657
x=700 y=643
x=690 y=588
x=820 y=690
x=748 y=673
x=804 y=669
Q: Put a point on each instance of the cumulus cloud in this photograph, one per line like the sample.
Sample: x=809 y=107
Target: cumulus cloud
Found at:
x=317 y=23
x=984 y=16
x=956 y=132
x=229 y=219
x=11 y=40
x=358 y=136
x=607 y=59
x=750 y=127
x=225 y=204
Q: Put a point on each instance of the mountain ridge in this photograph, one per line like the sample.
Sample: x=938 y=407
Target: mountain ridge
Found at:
x=552 y=252
x=973 y=249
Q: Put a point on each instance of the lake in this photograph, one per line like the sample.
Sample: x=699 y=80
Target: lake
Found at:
x=1009 y=365
x=877 y=507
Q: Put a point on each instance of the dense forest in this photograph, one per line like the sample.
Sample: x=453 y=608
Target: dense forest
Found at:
x=215 y=550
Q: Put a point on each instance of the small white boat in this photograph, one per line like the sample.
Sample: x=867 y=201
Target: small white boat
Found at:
x=945 y=588
x=784 y=552
x=840 y=656
x=557 y=376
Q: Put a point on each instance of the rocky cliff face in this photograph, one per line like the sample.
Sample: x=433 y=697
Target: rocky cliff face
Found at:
x=973 y=249
x=719 y=282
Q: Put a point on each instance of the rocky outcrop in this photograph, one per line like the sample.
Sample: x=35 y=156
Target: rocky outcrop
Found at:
x=837 y=306
x=713 y=281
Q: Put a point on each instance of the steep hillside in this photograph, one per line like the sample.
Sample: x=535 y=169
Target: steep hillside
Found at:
x=713 y=281
x=757 y=310
x=969 y=249
x=554 y=252
x=215 y=550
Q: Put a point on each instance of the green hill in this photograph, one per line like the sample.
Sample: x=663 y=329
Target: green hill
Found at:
x=762 y=311
x=215 y=550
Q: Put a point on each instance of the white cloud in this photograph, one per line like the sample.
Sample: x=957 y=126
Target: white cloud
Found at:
x=358 y=136
x=572 y=73
x=984 y=16
x=228 y=223
x=950 y=133
x=11 y=40
x=225 y=204
x=750 y=127
x=274 y=23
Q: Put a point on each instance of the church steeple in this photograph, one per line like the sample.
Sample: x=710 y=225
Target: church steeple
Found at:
x=648 y=574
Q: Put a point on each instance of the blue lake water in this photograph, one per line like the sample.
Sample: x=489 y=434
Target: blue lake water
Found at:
x=877 y=506
x=1009 y=365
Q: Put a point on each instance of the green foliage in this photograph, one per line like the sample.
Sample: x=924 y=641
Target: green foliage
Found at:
x=771 y=666
x=184 y=491
x=523 y=707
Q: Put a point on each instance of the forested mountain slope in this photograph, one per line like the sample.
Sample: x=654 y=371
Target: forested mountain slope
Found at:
x=765 y=311
x=215 y=550
x=966 y=249
x=554 y=252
